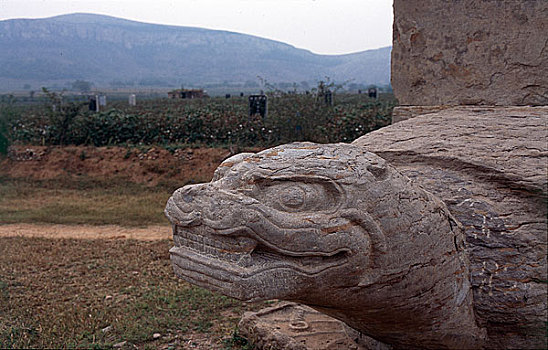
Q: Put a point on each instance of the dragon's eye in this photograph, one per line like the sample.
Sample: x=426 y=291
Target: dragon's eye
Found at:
x=298 y=194
x=293 y=197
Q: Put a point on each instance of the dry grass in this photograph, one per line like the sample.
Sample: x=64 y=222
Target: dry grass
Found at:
x=96 y=293
x=83 y=293
x=83 y=201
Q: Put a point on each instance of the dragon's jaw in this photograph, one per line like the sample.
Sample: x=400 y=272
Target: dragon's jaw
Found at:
x=239 y=266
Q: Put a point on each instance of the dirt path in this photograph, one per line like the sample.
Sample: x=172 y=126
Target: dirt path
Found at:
x=150 y=233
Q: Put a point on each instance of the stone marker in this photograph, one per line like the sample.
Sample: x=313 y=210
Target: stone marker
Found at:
x=258 y=104
x=441 y=243
x=102 y=100
x=132 y=100
x=93 y=106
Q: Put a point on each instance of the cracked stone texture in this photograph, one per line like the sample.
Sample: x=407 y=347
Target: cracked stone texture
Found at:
x=291 y=326
x=407 y=112
x=448 y=52
x=490 y=167
x=436 y=240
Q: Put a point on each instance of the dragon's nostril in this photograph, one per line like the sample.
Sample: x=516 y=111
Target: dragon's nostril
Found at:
x=190 y=193
x=187 y=198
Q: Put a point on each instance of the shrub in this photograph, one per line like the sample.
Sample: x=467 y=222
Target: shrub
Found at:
x=61 y=115
x=212 y=122
x=4 y=141
x=7 y=115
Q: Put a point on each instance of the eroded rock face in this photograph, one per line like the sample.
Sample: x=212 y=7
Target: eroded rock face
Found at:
x=334 y=227
x=449 y=52
x=290 y=326
x=490 y=166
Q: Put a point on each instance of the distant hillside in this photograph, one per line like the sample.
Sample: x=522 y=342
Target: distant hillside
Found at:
x=107 y=50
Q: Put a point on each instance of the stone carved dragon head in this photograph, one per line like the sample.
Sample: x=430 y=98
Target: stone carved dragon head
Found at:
x=331 y=226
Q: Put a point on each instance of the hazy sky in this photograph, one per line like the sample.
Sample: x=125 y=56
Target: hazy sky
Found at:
x=321 y=26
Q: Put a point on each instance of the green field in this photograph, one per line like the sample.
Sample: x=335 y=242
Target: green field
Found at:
x=203 y=122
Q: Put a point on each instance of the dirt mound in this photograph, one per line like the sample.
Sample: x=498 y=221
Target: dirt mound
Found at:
x=149 y=166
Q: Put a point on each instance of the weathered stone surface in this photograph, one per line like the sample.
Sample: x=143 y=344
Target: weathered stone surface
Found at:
x=490 y=167
x=470 y=52
x=338 y=228
x=290 y=326
x=334 y=227
x=495 y=142
x=407 y=112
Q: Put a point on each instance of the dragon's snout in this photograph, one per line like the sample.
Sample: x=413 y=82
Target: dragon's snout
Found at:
x=183 y=208
x=186 y=196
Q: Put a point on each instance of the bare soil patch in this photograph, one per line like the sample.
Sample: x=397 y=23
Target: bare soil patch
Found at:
x=108 y=232
x=98 y=186
x=148 y=165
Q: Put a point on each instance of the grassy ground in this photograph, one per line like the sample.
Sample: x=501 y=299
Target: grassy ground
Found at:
x=82 y=201
x=97 y=293
x=68 y=293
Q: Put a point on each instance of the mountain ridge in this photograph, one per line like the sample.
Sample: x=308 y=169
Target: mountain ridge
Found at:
x=103 y=49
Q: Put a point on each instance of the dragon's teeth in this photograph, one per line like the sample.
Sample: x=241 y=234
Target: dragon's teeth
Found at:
x=201 y=243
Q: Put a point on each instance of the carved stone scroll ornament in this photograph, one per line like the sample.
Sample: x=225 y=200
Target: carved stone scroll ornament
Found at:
x=336 y=228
